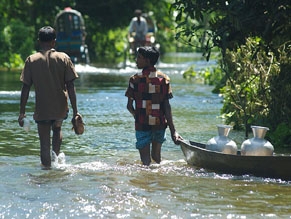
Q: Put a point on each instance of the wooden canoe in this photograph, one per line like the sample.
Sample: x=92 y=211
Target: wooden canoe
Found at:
x=276 y=166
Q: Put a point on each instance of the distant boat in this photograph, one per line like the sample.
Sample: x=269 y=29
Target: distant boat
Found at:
x=71 y=35
x=275 y=166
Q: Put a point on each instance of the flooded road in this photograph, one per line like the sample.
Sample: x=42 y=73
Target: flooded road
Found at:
x=101 y=176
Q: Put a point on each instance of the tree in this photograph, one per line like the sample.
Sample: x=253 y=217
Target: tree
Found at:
x=253 y=37
x=19 y=24
x=106 y=23
x=227 y=24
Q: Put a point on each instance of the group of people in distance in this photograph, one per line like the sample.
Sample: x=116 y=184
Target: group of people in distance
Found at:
x=52 y=74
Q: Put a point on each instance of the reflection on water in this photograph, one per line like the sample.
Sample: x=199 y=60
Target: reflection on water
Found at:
x=102 y=176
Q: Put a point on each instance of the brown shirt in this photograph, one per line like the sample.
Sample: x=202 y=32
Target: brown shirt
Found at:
x=48 y=71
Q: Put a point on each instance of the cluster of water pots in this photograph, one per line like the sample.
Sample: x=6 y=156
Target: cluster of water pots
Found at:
x=256 y=146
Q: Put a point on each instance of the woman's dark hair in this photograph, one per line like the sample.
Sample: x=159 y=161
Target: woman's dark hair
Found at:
x=149 y=52
x=46 y=34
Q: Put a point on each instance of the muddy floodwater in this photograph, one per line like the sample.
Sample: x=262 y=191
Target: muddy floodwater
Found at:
x=101 y=175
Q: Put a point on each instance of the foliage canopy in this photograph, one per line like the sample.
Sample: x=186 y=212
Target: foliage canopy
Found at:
x=106 y=25
x=254 y=39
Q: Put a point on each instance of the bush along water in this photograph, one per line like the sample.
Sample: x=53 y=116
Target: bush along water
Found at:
x=255 y=82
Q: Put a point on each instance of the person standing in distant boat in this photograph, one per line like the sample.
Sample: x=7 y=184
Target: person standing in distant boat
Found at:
x=150 y=90
x=52 y=73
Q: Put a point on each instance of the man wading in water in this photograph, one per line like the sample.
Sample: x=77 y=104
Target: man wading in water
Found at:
x=151 y=91
x=52 y=73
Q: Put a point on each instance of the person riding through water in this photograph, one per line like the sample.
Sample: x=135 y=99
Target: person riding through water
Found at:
x=138 y=29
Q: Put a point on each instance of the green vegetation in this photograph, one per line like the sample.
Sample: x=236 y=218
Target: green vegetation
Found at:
x=253 y=38
x=106 y=26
